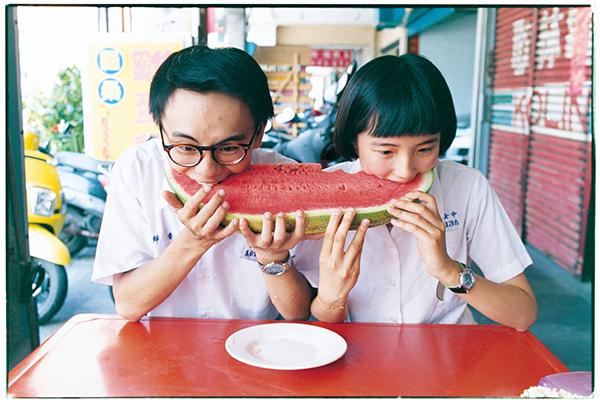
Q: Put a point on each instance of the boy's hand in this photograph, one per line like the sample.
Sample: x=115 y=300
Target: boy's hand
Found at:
x=273 y=243
x=203 y=223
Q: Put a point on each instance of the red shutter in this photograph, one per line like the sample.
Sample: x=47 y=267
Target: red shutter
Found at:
x=510 y=120
x=559 y=173
x=540 y=155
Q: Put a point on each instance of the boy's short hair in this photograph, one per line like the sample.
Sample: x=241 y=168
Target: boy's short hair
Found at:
x=395 y=96
x=201 y=69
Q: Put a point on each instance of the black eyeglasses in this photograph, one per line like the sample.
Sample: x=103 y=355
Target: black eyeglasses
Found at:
x=188 y=155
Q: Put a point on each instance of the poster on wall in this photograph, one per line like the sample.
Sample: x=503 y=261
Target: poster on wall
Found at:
x=116 y=82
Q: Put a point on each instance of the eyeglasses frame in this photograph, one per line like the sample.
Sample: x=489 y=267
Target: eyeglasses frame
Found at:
x=202 y=149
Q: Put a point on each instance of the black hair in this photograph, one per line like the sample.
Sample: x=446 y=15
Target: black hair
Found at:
x=201 y=69
x=395 y=96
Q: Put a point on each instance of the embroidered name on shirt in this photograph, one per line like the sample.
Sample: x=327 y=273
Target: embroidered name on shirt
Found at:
x=451 y=221
x=249 y=254
x=156 y=238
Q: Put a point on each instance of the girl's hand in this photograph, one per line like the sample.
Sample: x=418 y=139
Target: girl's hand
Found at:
x=273 y=243
x=203 y=223
x=339 y=269
x=423 y=220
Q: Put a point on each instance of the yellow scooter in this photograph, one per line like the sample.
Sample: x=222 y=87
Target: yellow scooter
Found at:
x=46 y=214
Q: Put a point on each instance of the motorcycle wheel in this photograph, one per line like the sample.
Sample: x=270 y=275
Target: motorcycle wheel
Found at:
x=53 y=291
x=74 y=242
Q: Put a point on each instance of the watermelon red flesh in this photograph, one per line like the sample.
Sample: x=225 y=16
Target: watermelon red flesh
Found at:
x=290 y=187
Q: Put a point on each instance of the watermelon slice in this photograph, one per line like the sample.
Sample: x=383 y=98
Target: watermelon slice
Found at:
x=290 y=187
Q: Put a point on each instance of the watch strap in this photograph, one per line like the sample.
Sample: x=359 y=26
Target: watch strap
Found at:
x=463 y=287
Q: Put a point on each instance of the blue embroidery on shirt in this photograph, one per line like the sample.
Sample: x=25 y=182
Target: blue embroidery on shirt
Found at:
x=249 y=254
x=170 y=236
x=155 y=238
x=451 y=221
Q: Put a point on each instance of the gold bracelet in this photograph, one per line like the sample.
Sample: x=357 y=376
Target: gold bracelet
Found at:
x=330 y=307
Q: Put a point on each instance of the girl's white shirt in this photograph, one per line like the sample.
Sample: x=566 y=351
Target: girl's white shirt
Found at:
x=138 y=225
x=394 y=286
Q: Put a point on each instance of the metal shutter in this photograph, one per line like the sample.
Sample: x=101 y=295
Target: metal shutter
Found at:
x=510 y=128
x=540 y=156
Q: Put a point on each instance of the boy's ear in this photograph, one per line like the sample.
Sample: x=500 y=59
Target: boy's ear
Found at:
x=258 y=141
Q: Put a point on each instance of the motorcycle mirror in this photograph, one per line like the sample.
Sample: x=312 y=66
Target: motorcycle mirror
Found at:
x=285 y=116
x=341 y=83
x=351 y=67
x=329 y=94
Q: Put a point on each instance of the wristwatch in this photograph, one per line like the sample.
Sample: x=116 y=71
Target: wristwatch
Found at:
x=276 y=268
x=466 y=279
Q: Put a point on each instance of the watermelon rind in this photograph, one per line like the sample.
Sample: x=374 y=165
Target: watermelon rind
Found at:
x=316 y=220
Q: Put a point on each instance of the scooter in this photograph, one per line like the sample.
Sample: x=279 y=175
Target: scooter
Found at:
x=85 y=182
x=46 y=208
x=316 y=145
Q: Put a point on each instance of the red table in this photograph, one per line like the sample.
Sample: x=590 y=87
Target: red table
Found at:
x=104 y=355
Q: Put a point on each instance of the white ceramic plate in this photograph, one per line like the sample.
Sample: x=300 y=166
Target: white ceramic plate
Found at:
x=285 y=346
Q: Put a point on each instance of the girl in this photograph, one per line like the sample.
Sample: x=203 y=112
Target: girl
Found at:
x=396 y=118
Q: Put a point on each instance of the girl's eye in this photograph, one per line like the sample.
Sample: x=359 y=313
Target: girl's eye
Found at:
x=426 y=150
x=383 y=152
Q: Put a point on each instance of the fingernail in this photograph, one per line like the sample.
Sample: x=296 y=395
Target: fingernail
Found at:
x=267 y=215
x=280 y=215
x=299 y=213
x=221 y=192
x=225 y=205
x=206 y=188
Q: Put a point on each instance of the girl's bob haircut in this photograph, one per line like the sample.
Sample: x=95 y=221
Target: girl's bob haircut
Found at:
x=395 y=96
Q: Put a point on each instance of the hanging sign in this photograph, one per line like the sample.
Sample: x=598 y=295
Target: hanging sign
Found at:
x=331 y=57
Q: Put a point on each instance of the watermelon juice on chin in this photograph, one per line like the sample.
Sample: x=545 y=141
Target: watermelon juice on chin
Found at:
x=288 y=188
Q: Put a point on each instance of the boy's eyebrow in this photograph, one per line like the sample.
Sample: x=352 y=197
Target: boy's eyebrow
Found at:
x=427 y=141
x=233 y=137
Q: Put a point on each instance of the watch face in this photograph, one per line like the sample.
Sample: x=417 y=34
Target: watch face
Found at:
x=274 y=269
x=467 y=279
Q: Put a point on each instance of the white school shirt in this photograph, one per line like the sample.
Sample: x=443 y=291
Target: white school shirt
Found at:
x=138 y=225
x=394 y=286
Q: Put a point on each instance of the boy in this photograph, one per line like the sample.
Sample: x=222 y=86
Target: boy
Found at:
x=167 y=259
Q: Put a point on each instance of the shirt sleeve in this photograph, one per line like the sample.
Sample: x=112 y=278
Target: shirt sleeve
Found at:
x=123 y=243
x=493 y=243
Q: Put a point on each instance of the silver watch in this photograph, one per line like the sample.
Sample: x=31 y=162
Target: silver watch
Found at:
x=466 y=280
x=276 y=268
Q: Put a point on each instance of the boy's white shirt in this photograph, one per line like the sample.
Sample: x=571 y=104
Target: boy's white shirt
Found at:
x=394 y=286
x=138 y=225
